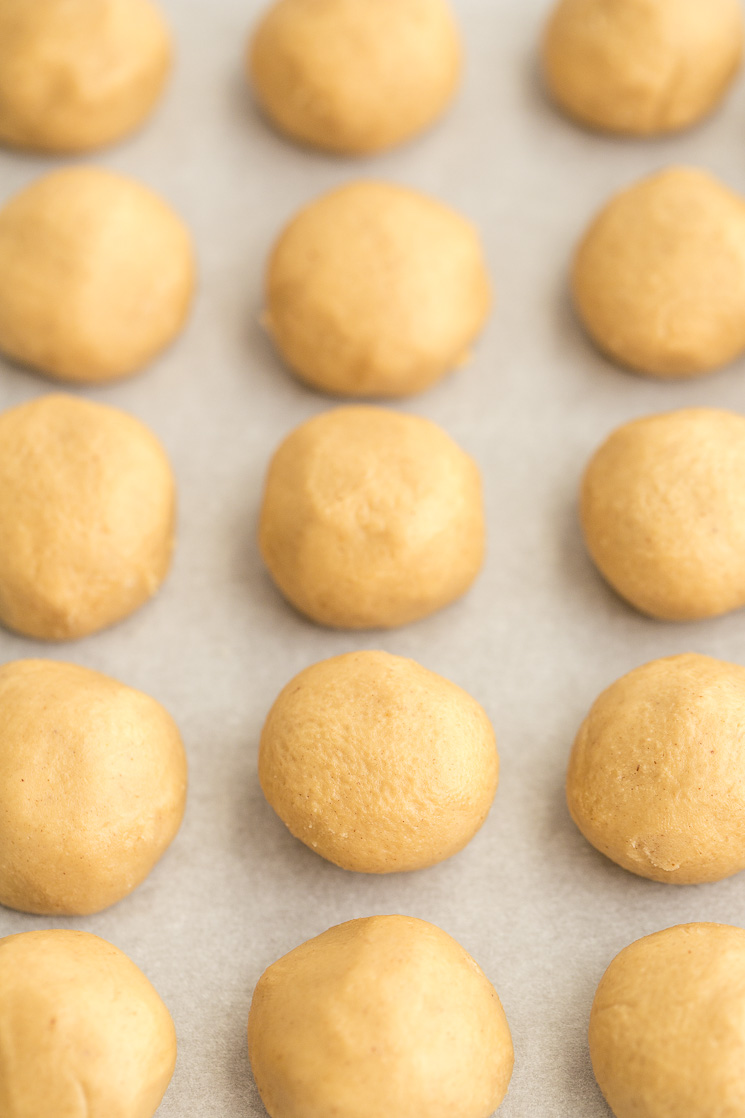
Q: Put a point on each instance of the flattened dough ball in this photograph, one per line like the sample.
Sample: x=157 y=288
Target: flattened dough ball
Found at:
x=667 y=1029
x=96 y=275
x=371 y=519
x=659 y=278
x=656 y=778
x=379 y=1017
x=376 y=290
x=355 y=76
x=663 y=513
x=642 y=67
x=87 y=513
x=378 y=764
x=78 y=74
x=82 y=1031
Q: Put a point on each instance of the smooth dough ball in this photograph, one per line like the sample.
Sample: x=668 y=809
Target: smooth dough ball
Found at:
x=77 y=74
x=355 y=76
x=379 y=1017
x=376 y=290
x=82 y=1031
x=642 y=67
x=656 y=779
x=378 y=764
x=663 y=513
x=87 y=516
x=96 y=275
x=659 y=278
x=667 y=1029
x=371 y=519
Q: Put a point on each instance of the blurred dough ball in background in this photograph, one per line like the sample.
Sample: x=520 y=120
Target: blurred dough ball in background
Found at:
x=642 y=67
x=78 y=74
x=96 y=275
x=355 y=76
x=376 y=290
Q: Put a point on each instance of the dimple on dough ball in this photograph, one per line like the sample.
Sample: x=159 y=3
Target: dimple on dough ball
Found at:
x=659 y=278
x=642 y=67
x=355 y=76
x=87 y=513
x=667 y=1028
x=371 y=519
x=376 y=290
x=82 y=1031
x=663 y=513
x=656 y=778
x=92 y=787
x=378 y=764
x=77 y=74
x=96 y=275
x=379 y=1017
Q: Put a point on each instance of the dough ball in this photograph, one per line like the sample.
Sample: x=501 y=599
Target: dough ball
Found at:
x=355 y=76
x=92 y=787
x=96 y=275
x=378 y=764
x=87 y=512
x=663 y=512
x=659 y=279
x=371 y=519
x=77 y=74
x=376 y=290
x=379 y=1017
x=667 y=1029
x=642 y=67
x=656 y=779
x=82 y=1031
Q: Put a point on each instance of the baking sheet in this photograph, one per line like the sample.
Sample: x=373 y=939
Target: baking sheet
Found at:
x=536 y=639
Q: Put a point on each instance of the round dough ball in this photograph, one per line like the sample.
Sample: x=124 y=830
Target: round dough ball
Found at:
x=87 y=514
x=96 y=275
x=659 y=279
x=355 y=76
x=92 y=787
x=656 y=779
x=379 y=1017
x=667 y=1029
x=642 y=67
x=378 y=764
x=77 y=74
x=82 y=1031
x=371 y=519
x=376 y=290
x=663 y=513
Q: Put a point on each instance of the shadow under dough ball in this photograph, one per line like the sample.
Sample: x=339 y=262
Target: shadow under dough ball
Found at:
x=82 y=1031
x=371 y=519
x=376 y=290
x=87 y=515
x=96 y=275
x=355 y=76
x=378 y=1017
x=79 y=74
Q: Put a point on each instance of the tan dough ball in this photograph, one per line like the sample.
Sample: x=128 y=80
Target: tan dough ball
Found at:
x=667 y=1029
x=87 y=514
x=355 y=76
x=96 y=275
x=379 y=1017
x=371 y=519
x=77 y=74
x=659 y=278
x=92 y=787
x=642 y=67
x=82 y=1031
x=376 y=290
x=663 y=513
